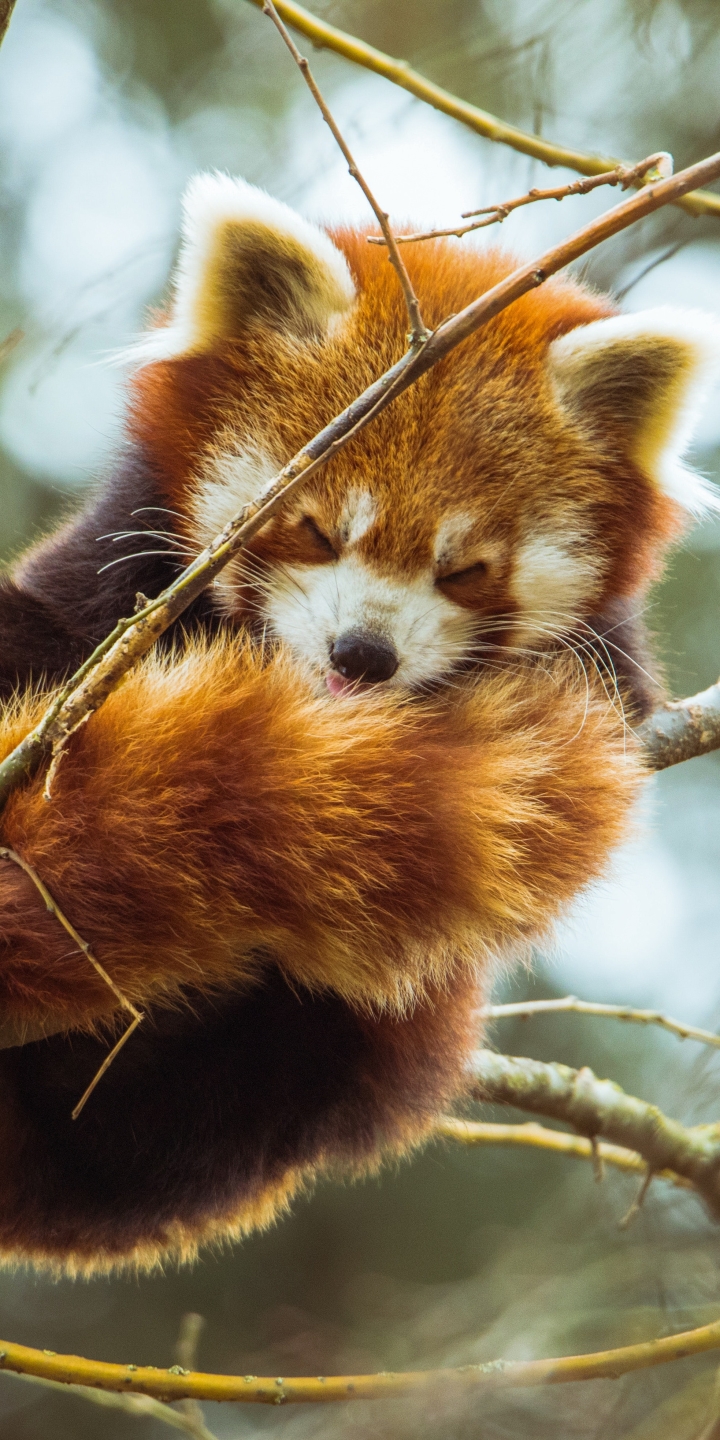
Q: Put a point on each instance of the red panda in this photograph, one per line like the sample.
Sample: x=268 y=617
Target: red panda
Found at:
x=381 y=752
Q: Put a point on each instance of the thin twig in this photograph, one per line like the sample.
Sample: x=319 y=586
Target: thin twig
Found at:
x=637 y=1204
x=600 y=1108
x=13 y=338
x=540 y=1137
x=655 y=167
x=191 y=1327
x=276 y=1390
x=107 y=1062
x=54 y=908
x=82 y=945
x=526 y=1009
x=324 y=36
x=132 y=637
x=418 y=330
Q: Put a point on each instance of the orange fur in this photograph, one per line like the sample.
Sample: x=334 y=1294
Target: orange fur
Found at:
x=216 y=805
x=482 y=430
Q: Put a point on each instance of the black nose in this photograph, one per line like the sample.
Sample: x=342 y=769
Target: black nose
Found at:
x=360 y=655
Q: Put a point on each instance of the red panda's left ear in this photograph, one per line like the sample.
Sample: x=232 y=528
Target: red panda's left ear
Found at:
x=247 y=262
x=640 y=381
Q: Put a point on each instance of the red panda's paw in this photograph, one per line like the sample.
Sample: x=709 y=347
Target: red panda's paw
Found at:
x=216 y=809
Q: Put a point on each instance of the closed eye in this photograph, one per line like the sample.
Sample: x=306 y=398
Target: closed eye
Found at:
x=313 y=530
x=473 y=572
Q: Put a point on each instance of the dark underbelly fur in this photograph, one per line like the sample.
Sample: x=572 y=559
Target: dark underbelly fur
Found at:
x=206 y=1108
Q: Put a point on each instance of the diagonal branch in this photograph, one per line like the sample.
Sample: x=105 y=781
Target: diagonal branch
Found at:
x=6 y=10
x=418 y=332
x=133 y=637
x=324 y=36
x=7 y=854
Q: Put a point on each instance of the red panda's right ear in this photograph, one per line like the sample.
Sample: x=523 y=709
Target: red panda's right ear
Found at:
x=247 y=262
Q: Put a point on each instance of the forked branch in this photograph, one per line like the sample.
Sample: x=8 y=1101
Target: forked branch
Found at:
x=655 y=167
x=398 y=72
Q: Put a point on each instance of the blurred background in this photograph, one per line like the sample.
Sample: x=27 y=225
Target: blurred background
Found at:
x=106 y=108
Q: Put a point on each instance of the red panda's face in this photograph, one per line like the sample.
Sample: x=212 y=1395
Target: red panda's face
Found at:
x=528 y=480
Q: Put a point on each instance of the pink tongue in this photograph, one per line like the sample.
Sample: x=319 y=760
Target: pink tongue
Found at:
x=337 y=684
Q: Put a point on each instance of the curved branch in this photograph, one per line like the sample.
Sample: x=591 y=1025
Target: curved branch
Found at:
x=599 y=1109
x=177 y=1384
x=682 y=729
x=324 y=36
x=132 y=638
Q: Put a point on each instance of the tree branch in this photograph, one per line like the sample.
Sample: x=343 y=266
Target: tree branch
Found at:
x=525 y=1009
x=539 y=1137
x=170 y=1385
x=418 y=331
x=82 y=945
x=133 y=637
x=655 y=167
x=599 y=1109
x=142 y=1407
x=324 y=36
x=6 y=10
x=682 y=729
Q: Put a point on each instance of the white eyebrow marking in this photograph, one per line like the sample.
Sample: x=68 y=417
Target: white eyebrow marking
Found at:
x=555 y=574
x=359 y=513
x=451 y=531
x=231 y=480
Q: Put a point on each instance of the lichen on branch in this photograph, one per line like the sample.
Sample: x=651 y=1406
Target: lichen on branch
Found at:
x=599 y=1109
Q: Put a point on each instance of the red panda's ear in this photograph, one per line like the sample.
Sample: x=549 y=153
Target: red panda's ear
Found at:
x=247 y=262
x=640 y=381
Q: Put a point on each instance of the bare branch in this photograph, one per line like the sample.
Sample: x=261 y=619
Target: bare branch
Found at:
x=324 y=36
x=600 y=1108
x=82 y=945
x=418 y=331
x=170 y=1385
x=133 y=637
x=539 y=1137
x=140 y=1406
x=655 y=167
x=682 y=729
x=527 y=1008
x=6 y=10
